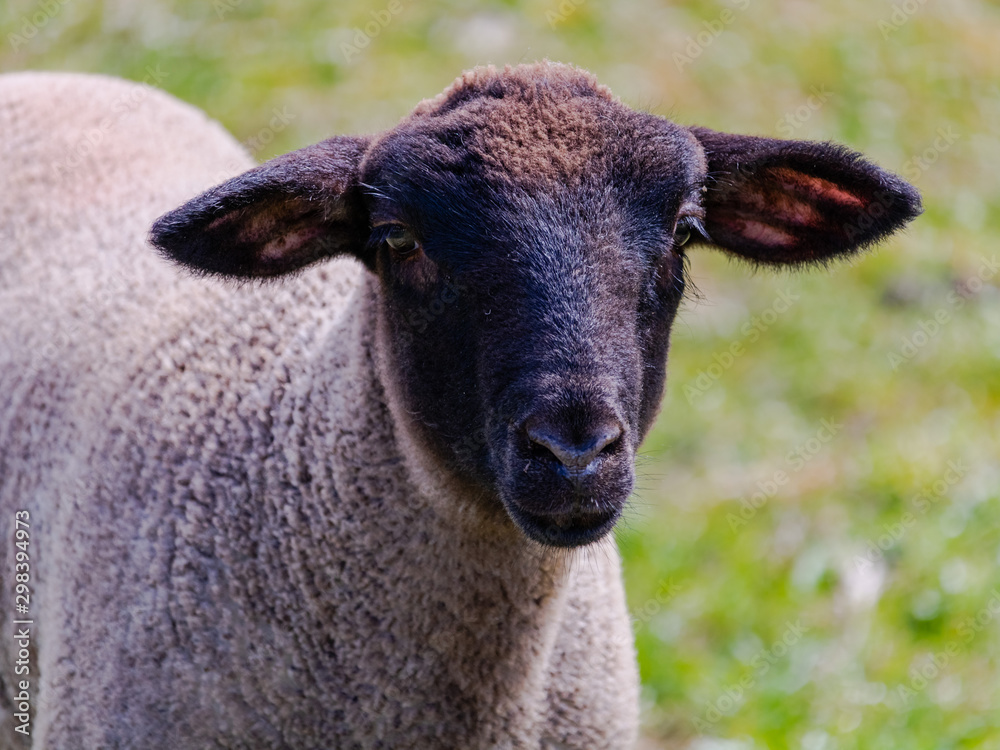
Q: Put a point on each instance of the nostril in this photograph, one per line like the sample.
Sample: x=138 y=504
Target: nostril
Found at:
x=574 y=454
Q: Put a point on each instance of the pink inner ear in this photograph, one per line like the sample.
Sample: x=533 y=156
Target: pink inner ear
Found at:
x=775 y=210
x=813 y=189
x=281 y=233
x=765 y=234
x=266 y=226
x=287 y=246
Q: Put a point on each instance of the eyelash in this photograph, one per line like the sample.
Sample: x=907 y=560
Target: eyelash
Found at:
x=689 y=228
x=382 y=235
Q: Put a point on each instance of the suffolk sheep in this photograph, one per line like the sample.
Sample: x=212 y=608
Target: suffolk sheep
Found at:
x=332 y=458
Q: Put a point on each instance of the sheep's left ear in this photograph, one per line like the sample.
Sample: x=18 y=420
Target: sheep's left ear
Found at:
x=792 y=202
x=289 y=212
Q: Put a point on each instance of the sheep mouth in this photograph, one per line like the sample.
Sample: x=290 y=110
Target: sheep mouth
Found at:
x=575 y=528
x=561 y=506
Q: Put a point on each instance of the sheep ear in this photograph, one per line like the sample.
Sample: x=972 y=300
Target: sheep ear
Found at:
x=791 y=202
x=279 y=217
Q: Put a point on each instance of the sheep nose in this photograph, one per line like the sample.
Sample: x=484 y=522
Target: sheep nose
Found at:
x=575 y=452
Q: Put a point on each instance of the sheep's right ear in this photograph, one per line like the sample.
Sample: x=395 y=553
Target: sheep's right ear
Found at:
x=277 y=218
x=795 y=202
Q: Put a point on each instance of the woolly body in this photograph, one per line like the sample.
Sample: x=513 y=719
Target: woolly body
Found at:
x=272 y=516
x=230 y=546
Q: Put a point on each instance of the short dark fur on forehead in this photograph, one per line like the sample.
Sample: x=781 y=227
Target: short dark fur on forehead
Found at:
x=552 y=81
x=544 y=125
x=538 y=121
x=522 y=136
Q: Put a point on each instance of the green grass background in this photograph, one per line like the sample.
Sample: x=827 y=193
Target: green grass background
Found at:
x=780 y=627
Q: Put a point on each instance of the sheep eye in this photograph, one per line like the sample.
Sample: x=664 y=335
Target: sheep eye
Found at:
x=401 y=240
x=688 y=227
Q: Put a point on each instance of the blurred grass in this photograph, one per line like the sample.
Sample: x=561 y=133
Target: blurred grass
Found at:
x=874 y=612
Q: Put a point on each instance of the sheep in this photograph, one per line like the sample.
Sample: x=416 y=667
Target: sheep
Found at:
x=368 y=505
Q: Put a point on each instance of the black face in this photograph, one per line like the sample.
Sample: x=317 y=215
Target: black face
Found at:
x=545 y=303
x=527 y=232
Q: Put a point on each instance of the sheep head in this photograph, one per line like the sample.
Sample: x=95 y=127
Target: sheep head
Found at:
x=529 y=232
